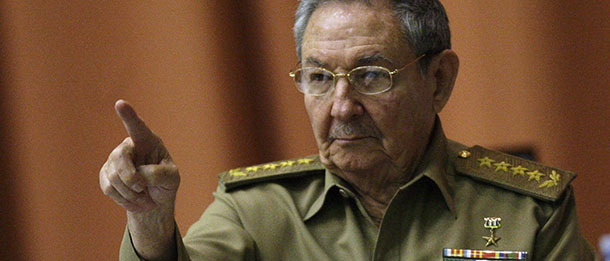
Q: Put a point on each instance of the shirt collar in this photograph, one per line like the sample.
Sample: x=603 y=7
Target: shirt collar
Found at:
x=330 y=181
x=432 y=166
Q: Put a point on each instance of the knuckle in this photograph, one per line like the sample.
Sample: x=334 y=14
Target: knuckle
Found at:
x=108 y=190
x=125 y=148
x=102 y=172
x=114 y=178
x=128 y=177
x=173 y=167
x=127 y=141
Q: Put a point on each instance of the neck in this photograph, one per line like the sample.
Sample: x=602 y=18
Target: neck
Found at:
x=376 y=188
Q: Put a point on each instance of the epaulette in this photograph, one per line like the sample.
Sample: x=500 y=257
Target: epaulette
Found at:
x=513 y=173
x=269 y=171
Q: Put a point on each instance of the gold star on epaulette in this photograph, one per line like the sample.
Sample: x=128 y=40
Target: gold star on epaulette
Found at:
x=287 y=163
x=519 y=170
x=271 y=171
x=554 y=180
x=502 y=166
x=486 y=161
x=534 y=175
x=270 y=166
x=305 y=161
x=528 y=177
x=237 y=172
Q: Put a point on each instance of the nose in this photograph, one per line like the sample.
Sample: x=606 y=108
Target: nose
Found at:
x=345 y=101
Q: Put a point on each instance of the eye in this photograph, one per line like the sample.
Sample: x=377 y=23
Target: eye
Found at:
x=367 y=76
x=319 y=76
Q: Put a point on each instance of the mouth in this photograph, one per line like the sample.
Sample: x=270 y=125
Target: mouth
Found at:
x=352 y=139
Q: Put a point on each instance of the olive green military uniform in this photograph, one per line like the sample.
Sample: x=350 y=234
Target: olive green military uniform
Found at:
x=297 y=210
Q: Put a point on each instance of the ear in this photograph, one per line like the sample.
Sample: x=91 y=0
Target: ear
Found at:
x=442 y=72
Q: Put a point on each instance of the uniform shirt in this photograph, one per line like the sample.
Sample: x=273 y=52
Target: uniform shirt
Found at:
x=308 y=213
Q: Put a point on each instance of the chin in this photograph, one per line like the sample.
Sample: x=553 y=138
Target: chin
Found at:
x=354 y=162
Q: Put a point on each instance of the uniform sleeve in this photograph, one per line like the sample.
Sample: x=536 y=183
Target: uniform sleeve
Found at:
x=217 y=235
x=128 y=252
x=560 y=237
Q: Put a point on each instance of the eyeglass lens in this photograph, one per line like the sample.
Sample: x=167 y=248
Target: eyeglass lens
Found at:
x=366 y=79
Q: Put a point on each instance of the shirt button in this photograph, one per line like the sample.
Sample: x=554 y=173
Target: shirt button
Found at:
x=343 y=193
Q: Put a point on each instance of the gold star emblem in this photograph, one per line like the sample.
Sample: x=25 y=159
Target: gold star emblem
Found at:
x=491 y=240
x=519 y=170
x=486 y=162
x=287 y=163
x=304 y=161
x=502 y=166
x=492 y=223
x=252 y=169
x=237 y=172
x=270 y=166
x=554 y=180
x=535 y=175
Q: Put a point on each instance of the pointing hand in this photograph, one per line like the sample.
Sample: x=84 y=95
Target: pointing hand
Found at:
x=139 y=174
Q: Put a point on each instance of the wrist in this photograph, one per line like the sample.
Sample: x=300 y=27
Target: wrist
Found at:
x=153 y=233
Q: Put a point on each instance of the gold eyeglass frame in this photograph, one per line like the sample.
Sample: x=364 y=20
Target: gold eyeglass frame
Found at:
x=292 y=74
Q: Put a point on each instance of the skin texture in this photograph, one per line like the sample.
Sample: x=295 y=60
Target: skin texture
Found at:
x=374 y=142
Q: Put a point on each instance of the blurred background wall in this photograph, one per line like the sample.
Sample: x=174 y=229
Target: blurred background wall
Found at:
x=210 y=77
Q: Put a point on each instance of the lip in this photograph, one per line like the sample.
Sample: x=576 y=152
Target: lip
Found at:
x=347 y=140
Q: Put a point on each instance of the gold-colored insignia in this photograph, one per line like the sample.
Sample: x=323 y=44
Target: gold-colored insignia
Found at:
x=464 y=154
x=553 y=180
x=528 y=177
x=502 y=166
x=492 y=223
x=287 y=163
x=304 y=161
x=270 y=166
x=519 y=170
x=237 y=172
x=486 y=161
x=534 y=175
x=237 y=177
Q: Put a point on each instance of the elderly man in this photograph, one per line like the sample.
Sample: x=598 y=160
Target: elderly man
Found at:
x=386 y=185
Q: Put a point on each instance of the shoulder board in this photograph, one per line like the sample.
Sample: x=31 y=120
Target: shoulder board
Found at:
x=513 y=173
x=269 y=171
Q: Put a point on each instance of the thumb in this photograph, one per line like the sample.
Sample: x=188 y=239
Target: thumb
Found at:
x=143 y=138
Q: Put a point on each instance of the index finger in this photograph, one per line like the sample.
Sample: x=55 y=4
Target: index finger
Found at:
x=136 y=128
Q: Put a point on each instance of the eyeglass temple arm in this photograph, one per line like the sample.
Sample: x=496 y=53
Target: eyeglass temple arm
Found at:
x=408 y=64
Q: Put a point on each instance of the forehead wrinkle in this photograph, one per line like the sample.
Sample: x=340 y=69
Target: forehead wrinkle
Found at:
x=357 y=56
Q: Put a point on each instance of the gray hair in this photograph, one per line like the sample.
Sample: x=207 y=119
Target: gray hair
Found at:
x=424 y=23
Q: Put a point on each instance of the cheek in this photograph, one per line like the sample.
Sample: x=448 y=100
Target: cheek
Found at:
x=388 y=112
x=397 y=115
x=319 y=116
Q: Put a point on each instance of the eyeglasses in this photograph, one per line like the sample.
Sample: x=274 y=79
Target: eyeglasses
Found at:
x=368 y=80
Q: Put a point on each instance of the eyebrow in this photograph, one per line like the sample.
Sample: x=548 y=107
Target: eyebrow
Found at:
x=314 y=61
x=373 y=58
x=365 y=60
